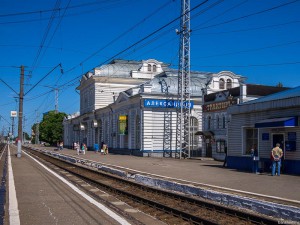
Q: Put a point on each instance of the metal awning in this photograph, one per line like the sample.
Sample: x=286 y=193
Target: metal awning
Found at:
x=205 y=133
x=278 y=122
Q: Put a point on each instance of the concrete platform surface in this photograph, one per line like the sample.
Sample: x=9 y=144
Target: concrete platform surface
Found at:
x=36 y=196
x=203 y=172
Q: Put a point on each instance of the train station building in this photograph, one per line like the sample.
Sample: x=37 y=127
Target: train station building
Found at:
x=216 y=118
x=131 y=106
x=264 y=122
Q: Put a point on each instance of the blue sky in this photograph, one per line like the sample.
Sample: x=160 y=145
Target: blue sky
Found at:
x=258 y=39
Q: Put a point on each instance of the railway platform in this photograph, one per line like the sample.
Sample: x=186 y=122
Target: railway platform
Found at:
x=38 y=193
x=204 y=172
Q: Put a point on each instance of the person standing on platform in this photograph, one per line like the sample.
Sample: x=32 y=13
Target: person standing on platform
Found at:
x=255 y=159
x=96 y=147
x=78 y=148
x=84 y=148
x=101 y=147
x=105 y=149
x=277 y=154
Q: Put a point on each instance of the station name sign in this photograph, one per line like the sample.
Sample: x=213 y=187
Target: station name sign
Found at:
x=164 y=103
x=218 y=106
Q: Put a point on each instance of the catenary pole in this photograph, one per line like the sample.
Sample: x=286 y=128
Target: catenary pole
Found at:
x=183 y=98
x=21 y=96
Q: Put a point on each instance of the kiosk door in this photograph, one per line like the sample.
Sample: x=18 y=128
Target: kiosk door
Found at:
x=279 y=138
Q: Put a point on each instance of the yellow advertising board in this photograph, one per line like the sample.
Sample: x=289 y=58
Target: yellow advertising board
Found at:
x=123 y=124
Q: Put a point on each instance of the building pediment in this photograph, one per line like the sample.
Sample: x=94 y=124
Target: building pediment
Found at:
x=122 y=98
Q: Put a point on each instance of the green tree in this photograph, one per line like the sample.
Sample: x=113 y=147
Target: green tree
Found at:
x=51 y=127
x=33 y=129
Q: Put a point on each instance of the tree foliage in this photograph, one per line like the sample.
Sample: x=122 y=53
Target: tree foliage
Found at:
x=51 y=127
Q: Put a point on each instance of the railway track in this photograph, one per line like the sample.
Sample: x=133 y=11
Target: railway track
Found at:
x=169 y=207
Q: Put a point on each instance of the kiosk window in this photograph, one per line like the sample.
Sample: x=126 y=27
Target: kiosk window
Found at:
x=251 y=139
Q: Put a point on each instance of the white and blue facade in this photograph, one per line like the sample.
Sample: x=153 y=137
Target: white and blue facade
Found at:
x=125 y=104
x=266 y=121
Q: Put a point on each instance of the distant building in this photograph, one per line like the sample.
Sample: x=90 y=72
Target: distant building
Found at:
x=215 y=117
x=128 y=103
x=264 y=122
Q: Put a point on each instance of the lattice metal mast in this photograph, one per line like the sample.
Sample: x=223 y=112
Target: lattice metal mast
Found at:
x=183 y=110
x=167 y=121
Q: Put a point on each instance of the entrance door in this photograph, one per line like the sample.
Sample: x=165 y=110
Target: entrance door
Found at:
x=208 y=148
x=279 y=138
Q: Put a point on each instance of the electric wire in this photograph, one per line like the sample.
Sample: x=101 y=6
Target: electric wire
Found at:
x=42 y=79
x=120 y=36
x=221 y=14
x=58 y=9
x=254 y=65
x=69 y=15
x=58 y=2
x=250 y=50
x=248 y=29
x=246 y=16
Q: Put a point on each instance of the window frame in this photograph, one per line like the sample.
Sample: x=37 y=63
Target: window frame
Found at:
x=228 y=83
x=220 y=146
x=249 y=141
x=209 y=119
x=194 y=126
x=224 y=121
x=154 y=68
x=221 y=83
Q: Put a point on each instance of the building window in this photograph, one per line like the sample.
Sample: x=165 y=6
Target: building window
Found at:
x=194 y=126
x=221 y=84
x=208 y=122
x=220 y=146
x=137 y=132
x=218 y=122
x=154 y=68
x=224 y=121
x=251 y=139
x=229 y=84
x=149 y=68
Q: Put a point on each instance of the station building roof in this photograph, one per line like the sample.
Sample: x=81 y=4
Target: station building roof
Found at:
x=289 y=93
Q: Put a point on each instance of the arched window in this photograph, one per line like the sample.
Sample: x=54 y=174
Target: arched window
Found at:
x=229 y=84
x=149 y=67
x=221 y=84
x=154 y=68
